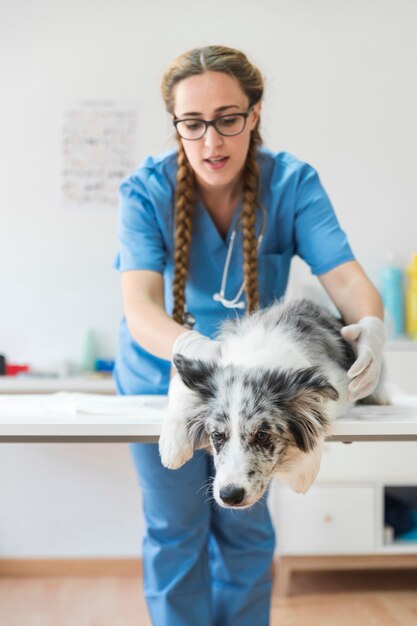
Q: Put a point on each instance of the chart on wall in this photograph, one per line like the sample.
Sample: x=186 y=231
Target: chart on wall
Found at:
x=98 y=151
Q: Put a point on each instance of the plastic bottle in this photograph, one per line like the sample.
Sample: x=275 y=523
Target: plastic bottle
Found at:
x=89 y=351
x=411 y=298
x=393 y=297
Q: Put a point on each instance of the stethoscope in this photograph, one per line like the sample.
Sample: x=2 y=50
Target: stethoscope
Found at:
x=232 y=303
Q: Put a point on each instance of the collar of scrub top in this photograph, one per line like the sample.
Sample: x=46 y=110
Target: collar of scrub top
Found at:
x=235 y=303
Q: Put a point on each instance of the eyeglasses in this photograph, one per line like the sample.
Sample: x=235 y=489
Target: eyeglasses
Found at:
x=229 y=125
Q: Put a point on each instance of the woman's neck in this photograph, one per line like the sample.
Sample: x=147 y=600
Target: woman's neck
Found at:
x=221 y=203
x=222 y=200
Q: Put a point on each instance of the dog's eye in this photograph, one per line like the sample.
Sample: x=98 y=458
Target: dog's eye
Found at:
x=218 y=437
x=262 y=436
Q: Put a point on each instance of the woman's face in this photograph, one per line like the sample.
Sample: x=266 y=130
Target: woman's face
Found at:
x=216 y=160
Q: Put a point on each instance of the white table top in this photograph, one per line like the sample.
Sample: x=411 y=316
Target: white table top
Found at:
x=80 y=417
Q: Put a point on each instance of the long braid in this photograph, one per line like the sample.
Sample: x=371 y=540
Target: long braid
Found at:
x=184 y=203
x=249 y=206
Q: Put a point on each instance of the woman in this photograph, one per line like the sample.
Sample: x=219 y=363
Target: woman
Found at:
x=219 y=202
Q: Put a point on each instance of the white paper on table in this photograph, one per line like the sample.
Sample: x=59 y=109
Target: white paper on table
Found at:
x=71 y=403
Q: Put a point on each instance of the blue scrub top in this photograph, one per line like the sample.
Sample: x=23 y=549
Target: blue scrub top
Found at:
x=299 y=220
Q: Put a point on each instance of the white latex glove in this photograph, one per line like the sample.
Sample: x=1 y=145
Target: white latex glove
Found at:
x=194 y=345
x=368 y=338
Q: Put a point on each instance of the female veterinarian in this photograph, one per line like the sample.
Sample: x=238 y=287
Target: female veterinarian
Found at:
x=207 y=232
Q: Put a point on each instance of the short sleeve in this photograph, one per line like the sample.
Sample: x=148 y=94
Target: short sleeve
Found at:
x=320 y=241
x=141 y=246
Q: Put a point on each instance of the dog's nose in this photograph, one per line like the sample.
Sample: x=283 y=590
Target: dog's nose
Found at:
x=232 y=494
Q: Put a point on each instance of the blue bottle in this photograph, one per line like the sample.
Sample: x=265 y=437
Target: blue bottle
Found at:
x=392 y=292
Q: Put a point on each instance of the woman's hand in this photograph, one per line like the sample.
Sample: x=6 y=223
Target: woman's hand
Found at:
x=368 y=339
x=194 y=345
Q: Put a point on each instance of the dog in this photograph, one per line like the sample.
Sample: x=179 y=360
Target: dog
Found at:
x=266 y=406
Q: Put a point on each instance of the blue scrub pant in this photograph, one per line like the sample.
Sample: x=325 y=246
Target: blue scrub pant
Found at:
x=203 y=565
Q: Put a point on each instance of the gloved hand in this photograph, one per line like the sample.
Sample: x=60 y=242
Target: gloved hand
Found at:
x=368 y=338
x=194 y=345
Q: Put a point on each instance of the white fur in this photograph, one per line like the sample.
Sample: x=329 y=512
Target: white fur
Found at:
x=174 y=447
x=253 y=349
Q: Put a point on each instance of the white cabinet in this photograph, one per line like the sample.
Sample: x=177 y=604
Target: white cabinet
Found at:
x=329 y=519
x=339 y=523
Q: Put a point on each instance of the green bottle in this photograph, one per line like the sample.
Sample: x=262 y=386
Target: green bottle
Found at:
x=89 y=352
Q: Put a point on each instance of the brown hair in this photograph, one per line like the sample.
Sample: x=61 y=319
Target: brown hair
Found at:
x=236 y=64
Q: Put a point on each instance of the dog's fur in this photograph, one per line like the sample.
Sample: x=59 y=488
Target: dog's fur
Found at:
x=265 y=407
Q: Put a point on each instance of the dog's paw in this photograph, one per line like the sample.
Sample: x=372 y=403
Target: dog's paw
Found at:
x=174 y=447
x=300 y=482
x=300 y=469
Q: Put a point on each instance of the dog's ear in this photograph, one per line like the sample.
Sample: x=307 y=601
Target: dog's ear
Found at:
x=311 y=380
x=196 y=429
x=306 y=422
x=197 y=375
x=300 y=395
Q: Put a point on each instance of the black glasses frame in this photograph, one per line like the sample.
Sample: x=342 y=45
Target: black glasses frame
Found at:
x=207 y=123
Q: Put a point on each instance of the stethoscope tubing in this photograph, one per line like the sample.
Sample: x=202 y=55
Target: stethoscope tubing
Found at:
x=234 y=303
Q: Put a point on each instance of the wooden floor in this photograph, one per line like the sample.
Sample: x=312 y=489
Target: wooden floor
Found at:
x=317 y=599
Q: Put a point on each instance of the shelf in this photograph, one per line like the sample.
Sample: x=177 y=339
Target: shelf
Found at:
x=398 y=547
x=93 y=383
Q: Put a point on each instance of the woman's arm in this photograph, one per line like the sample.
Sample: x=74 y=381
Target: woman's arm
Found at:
x=361 y=307
x=352 y=292
x=152 y=327
x=144 y=309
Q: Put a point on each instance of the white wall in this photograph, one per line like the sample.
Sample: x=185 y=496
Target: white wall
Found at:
x=340 y=93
